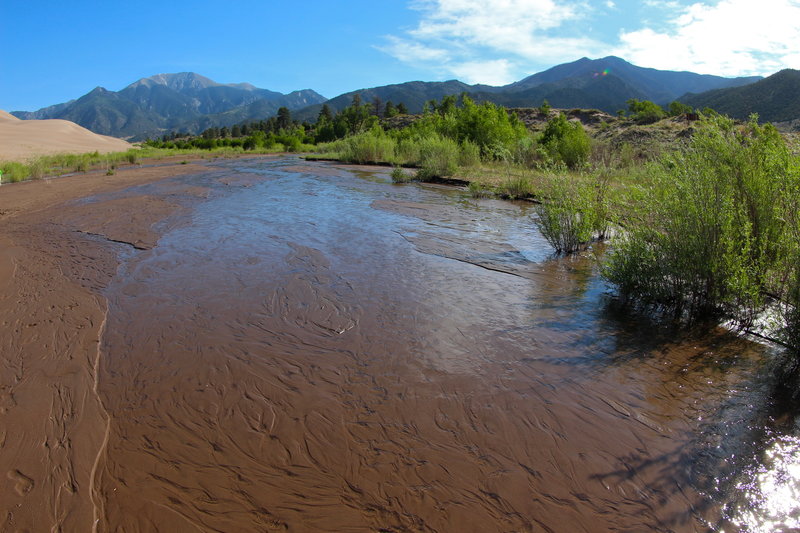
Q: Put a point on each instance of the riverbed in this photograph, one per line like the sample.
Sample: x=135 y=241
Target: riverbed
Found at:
x=275 y=344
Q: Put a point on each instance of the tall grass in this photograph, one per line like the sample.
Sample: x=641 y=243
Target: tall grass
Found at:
x=60 y=164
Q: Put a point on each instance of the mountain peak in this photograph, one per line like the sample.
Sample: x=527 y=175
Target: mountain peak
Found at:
x=178 y=81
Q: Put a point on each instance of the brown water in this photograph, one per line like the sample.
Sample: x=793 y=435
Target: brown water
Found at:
x=316 y=349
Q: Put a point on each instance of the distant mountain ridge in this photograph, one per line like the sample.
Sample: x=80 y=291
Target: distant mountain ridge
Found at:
x=775 y=98
x=164 y=102
x=605 y=84
x=189 y=102
x=659 y=86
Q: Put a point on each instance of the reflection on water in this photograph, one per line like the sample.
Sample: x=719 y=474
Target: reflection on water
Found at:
x=771 y=490
x=315 y=349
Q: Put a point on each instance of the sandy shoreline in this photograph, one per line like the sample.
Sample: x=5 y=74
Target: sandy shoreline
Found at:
x=52 y=268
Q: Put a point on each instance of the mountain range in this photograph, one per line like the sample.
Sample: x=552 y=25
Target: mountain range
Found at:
x=189 y=102
x=605 y=84
x=164 y=102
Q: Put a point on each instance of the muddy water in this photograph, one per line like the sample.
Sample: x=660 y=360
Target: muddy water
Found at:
x=311 y=348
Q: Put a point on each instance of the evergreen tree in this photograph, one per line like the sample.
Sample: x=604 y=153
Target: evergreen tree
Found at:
x=389 y=110
x=236 y=131
x=377 y=106
x=284 y=118
x=402 y=109
x=325 y=114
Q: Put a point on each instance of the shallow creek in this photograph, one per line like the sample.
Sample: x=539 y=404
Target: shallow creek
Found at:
x=312 y=348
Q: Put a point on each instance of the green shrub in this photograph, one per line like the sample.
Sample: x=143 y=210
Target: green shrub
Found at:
x=438 y=157
x=369 y=147
x=470 y=155
x=516 y=188
x=486 y=125
x=478 y=190
x=569 y=217
x=400 y=176
x=645 y=111
x=408 y=152
x=710 y=235
x=37 y=168
x=566 y=141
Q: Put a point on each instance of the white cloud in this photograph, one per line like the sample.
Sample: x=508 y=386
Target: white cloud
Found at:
x=487 y=41
x=490 y=72
x=411 y=52
x=497 y=41
x=730 y=37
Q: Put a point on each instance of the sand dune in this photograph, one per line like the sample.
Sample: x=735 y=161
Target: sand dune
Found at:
x=23 y=139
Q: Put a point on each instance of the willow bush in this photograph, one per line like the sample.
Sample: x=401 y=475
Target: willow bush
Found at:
x=573 y=213
x=438 y=157
x=710 y=234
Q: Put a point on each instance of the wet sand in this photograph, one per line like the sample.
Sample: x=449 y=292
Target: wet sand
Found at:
x=54 y=261
x=269 y=345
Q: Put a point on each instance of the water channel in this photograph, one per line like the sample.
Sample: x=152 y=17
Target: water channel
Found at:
x=313 y=348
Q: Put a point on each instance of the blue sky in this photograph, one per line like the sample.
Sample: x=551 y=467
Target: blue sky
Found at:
x=53 y=51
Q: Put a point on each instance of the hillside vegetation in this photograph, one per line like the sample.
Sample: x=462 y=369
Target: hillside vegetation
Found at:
x=773 y=99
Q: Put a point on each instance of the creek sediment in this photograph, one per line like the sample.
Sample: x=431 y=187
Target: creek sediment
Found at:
x=268 y=344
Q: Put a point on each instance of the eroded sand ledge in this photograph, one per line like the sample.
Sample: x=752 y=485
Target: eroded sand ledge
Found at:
x=55 y=257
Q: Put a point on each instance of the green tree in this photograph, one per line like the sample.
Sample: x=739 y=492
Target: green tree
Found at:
x=402 y=109
x=677 y=109
x=377 y=106
x=447 y=105
x=325 y=114
x=390 y=110
x=566 y=141
x=284 y=118
x=645 y=111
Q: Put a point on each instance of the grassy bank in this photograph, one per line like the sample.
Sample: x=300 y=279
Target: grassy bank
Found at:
x=60 y=164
